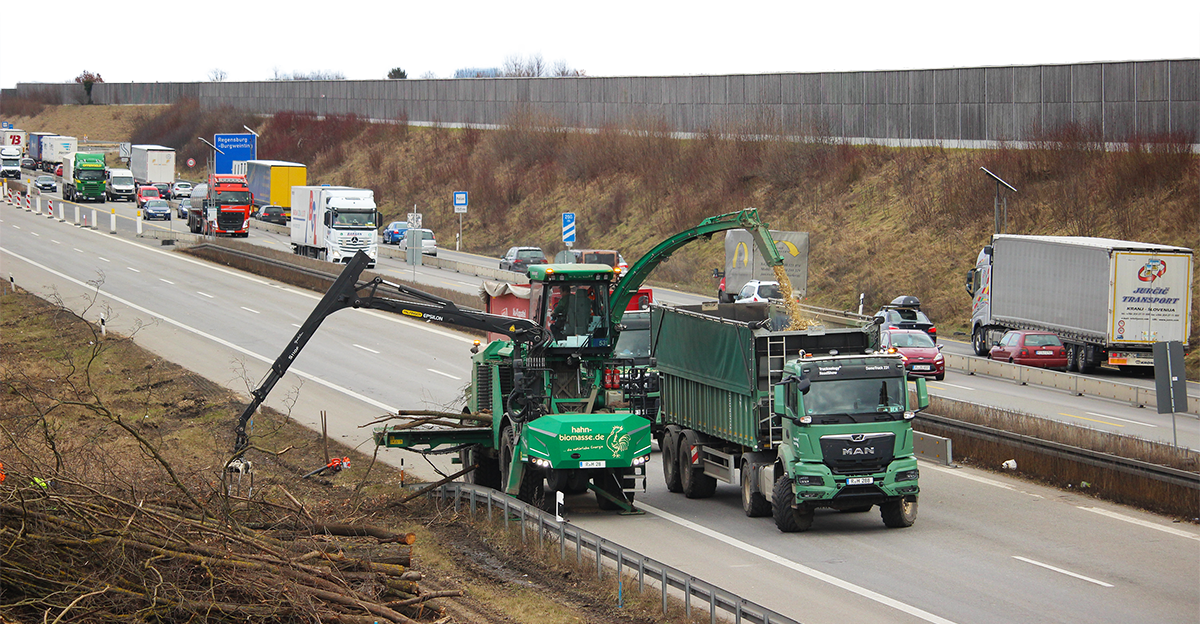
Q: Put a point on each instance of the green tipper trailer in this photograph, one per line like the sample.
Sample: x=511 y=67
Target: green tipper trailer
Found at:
x=801 y=419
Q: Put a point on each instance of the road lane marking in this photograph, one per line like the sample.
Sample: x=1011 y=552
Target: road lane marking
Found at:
x=366 y=348
x=942 y=383
x=1149 y=525
x=55 y=242
x=978 y=479
x=295 y=325
x=133 y=269
x=221 y=341
x=438 y=372
x=1062 y=571
x=1103 y=422
x=36 y=234
x=249 y=310
x=104 y=259
x=792 y=565
x=166 y=280
x=1123 y=420
x=77 y=249
x=205 y=294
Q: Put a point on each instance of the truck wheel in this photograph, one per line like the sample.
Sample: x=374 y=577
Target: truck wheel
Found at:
x=979 y=341
x=692 y=479
x=1072 y=364
x=1082 y=362
x=899 y=514
x=753 y=502
x=488 y=472
x=670 y=459
x=610 y=482
x=532 y=489
x=787 y=519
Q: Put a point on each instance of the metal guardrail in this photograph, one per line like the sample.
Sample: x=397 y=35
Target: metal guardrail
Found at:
x=1173 y=476
x=629 y=565
x=1136 y=396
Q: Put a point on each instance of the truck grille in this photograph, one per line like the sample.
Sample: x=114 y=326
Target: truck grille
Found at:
x=351 y=244
x=858 y=453
x=483 y=376
x=230 y=220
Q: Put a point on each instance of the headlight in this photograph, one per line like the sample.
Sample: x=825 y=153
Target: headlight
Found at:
x=638 y=461
x=939 y=358
x=809 y=480
x=908 y=475
x=805 y=419
x=909 y=415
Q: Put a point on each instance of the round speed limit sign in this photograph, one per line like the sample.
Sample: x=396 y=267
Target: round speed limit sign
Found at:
x=191 y=162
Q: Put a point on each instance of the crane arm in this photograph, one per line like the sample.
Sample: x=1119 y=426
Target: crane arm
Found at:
x=744 y=219
x=347 y=293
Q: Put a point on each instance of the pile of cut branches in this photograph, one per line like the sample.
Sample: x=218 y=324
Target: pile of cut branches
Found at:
x=73 y=553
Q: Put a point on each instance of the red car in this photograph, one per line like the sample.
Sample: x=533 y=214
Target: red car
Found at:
x=1031 y=348
x=921 y=356
x=146 y=192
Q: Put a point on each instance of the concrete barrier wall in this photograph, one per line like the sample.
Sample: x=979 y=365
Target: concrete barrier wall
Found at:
x=1070 y=382
x=959 y=107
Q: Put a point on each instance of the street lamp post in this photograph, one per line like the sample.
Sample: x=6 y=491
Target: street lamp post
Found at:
x=1001 y=223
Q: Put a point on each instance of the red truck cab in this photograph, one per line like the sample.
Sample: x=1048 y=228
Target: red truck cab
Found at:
x=230 y=195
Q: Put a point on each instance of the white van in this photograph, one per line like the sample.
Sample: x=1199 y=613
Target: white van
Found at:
x=120 y=185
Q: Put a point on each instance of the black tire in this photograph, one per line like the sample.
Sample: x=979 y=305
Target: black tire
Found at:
x=979 y=341
x=693 y=481
x=532 y=488
x=1072 y=364
x=610 y=482
x=488 y=472
x=787 y=519
x=670 y=460
x=1082 y=362
x=753 y=502
x=899 y=514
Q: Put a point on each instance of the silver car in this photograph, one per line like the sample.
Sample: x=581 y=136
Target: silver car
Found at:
x=181 y=189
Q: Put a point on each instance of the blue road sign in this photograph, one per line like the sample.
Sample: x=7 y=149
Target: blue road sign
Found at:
x=460 y=201
x=233 y=148
x=568 y=227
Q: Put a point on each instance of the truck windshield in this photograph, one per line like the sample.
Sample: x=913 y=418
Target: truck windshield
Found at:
x=12 y=162
x=91 y=175
x=347 y=218
x=233 y=198
x=855 y=400
x=634 y=341
x=577 y=313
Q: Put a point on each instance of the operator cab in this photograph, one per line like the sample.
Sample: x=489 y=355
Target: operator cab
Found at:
x=571 y=303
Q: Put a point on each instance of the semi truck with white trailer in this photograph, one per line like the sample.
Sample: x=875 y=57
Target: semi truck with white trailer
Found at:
x=334 y=222
x=1108 y=300
x=800 y=419
x=152 y=164
x=56 y=149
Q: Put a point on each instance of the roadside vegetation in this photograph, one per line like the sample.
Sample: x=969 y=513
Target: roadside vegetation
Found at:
x=115 y=507
x=882 y=221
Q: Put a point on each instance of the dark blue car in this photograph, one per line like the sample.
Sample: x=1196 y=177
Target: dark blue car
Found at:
x=394 y=232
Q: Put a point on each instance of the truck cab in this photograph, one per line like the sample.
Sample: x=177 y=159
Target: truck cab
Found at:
x=10 y=162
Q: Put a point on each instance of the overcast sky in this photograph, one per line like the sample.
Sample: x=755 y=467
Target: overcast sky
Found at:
x=142 y=13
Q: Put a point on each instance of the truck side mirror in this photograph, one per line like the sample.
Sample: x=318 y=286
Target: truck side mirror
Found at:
x=781 y=399
x=922 y=394
x=970 y=282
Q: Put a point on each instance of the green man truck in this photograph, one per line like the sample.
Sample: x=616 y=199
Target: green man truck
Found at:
x=83 y=177
x=800 y=419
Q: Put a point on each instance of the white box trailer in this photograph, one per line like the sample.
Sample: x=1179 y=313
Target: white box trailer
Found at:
x=152 y=164
x=14 y=137
x=55 y=149
x=334 y=222
x=1108 y=300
